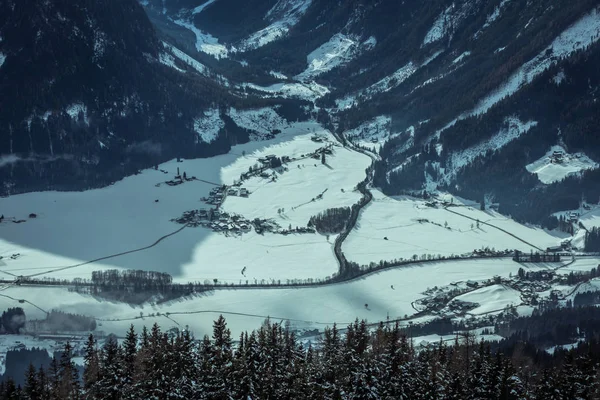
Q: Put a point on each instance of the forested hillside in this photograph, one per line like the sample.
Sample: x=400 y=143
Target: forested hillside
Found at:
x=271 y=362
x=88 y=96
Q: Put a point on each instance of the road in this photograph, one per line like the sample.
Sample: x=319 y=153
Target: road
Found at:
x=495 y=227
x=345 y=268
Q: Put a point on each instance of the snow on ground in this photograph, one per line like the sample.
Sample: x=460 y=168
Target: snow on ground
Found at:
x=512 y=129
x=261 y=120
x=578 y=36
x=282 y=17
x=550 y=169
x=591 y=218
x=310 y=91
x=2 y=58
x=303 y=181
x=209 y=125
x=584 y=264
x=200 y=8
x=491 y=299
x=205 y=42
x=125 y=216
x=338 y=50
x=372 y=133
x=412 y=228
x=305 y=307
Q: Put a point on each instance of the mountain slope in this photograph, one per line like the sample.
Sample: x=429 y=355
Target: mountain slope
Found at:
x=85 y=99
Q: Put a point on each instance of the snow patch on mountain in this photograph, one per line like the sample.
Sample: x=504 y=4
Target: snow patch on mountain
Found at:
x=578 y=36
x=282 y=17
x=200 y=8
x=201 y=68
x=461 y=57
x=205 y=42
x=439 y=28
x=446 y=23
x=557 y=164
x=306 y=91
x=492 y=17
x=277 y=75
x=262 y=120
x=384 y=85
x=558 y=78
x=371 y=133
x=2 y=58
x=338 y=50
x=513 y=128
x=209 y=125
x=169 y=61
x=74 y=109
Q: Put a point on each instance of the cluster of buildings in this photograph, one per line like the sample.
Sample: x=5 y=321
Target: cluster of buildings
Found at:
x=218 y=221
x=218 y=194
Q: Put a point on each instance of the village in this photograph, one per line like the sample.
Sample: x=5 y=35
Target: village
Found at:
x=231 y=224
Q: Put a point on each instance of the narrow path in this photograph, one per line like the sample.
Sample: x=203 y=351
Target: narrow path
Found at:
x=495 y=227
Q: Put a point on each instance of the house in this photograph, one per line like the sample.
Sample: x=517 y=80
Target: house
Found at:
x=244 y=192
x=574 y=216
x=554 y=249
x=32 y=215
x=232 y=192
x=245 y=227
x=472 y=284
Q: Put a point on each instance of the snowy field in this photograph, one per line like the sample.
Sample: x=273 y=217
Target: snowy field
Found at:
x=491 y=299
x=294 y=189
x=549 y=170
x=72 y=228
x=304 y=307
x=411 y=228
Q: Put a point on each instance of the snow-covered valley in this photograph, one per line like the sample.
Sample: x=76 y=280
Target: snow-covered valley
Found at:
x=128 y=225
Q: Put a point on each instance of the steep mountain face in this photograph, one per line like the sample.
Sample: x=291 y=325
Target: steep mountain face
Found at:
x=87 y=97
x=492 y=100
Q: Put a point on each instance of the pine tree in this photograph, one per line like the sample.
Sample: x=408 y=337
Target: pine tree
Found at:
x=222 y=357
x=54 y=379
x=129 y=352
x=91 y=371
x=11 y=391
x=32 y=389
x=110 y=383
x=69 y=377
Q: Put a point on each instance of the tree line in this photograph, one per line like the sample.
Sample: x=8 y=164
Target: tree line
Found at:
x=271 y=363
x=332 y=220
x=592 y=240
